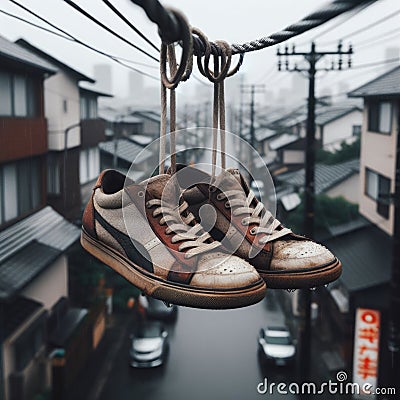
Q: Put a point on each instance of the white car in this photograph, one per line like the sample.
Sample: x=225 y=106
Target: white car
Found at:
x=276 y=345
x=149 y=345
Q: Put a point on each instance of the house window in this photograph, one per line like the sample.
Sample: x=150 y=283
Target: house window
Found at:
x=89 y=164
x=53 y=175
x=377 y=187
x=17 y=95
x=20 y=188
x=88 y=107
x=357 y=130
x=380 y=117
x=65 y=106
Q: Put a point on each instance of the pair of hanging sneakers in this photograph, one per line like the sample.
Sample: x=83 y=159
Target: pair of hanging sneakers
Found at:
x=153 y=234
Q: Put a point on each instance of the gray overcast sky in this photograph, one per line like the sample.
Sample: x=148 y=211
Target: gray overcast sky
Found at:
x=233 y=21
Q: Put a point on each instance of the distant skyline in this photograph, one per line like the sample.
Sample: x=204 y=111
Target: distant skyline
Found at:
x=234 y=21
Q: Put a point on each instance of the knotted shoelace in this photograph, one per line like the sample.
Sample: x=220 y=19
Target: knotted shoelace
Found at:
x=193 y=236
x=259 y=215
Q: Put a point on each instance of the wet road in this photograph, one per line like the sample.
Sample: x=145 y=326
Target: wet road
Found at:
x=213 y=355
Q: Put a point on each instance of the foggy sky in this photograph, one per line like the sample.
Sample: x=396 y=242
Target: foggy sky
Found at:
x=233 y=21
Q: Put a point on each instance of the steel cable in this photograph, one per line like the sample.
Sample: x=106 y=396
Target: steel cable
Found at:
x=170 y=29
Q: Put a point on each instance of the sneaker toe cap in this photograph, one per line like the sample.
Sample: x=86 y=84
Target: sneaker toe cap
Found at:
x=297 y=255
x=222 y=271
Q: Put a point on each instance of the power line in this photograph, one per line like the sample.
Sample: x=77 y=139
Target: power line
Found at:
x=120 y=15
x=74 y=39
x=380 y=39
x=373 y=64
x=105 y=27
x=363 y=29
x=341 y=22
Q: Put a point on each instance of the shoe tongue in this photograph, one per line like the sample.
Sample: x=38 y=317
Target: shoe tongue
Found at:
x=163 y=187
x=231 y=179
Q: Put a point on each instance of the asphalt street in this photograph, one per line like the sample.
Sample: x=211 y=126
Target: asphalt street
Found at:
x=213 y=355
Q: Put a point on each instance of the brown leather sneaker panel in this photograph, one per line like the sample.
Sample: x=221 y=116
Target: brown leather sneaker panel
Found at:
x=88 y=221
x=236 y=221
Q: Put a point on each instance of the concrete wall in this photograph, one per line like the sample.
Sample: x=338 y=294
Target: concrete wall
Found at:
x=58 y=88
x=50 y=285
x=293 y=157
x=349 y=189
x=32 y=370
x=341 y=128
x=378 y=152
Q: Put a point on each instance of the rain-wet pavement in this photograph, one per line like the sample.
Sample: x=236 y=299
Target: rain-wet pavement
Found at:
x=213 y=355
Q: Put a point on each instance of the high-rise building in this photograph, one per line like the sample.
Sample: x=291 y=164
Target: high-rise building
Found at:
x=103 y=76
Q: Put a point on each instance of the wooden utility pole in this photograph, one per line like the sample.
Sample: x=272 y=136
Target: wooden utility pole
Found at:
x=252 y=89
x=312 y=57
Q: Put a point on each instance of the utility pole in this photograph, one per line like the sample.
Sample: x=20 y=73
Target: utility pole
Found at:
x=312 y=57
x=394 y=323
x=252 y=89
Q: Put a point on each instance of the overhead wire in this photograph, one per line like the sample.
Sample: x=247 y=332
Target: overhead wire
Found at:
x=71 y=37
x=364 y=28
x=105 y=27
x=133 y=27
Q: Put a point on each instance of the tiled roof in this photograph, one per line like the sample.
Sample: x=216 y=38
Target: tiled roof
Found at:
x=112 y=115
x=147 y=114
x=21 y=268
x=326 y=176
x=126 y=150
x=54 y=61
x=264 y=133
x=282 y=141
x=86 y=86
x=16 y=52
x=386 y=84
x=45 y=226
x=364 y=266
x=333 y=113
x=14 y=314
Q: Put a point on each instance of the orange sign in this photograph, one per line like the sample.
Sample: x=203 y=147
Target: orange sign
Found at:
x=366 y=351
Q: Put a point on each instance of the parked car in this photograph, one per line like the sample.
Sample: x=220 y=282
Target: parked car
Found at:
x=257 y=187
x=157 y=309
x=276 y=345
x=149 y=347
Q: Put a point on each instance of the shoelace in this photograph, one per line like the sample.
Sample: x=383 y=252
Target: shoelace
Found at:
x=267 y=224
x=191 y=235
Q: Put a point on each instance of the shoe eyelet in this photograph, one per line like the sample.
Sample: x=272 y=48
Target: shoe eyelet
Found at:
x=227 y=205
x=141 y=193
x=220 y=196
x=212 y=189
x=243 y=222
x=253 y=231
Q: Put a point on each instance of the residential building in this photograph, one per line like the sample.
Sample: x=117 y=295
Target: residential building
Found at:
x=150 y=122
x=126 y=155
x=93 y=132
x=336 y=124
x=22 y=118
x=381 y=124
x=63 y=113
x=33 y=299
x=337 y=180
x=33 y=237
